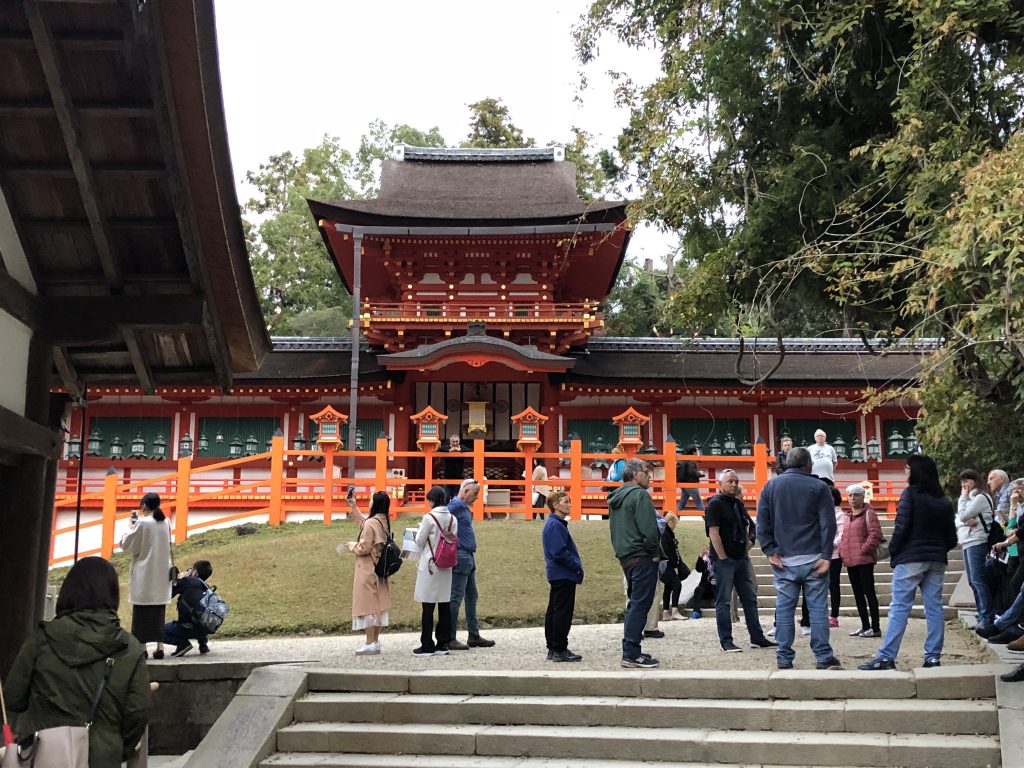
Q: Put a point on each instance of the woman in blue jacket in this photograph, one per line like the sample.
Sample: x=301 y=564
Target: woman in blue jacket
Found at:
x=564 y=571
x=924 y=532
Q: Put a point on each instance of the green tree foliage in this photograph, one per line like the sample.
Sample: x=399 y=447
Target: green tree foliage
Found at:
x=491 y=125
x=804 y=150
x=636 y=305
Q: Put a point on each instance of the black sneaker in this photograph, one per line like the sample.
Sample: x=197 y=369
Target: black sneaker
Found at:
x=1003 y=638
x=657 y=634
x=551 y=655
x=181 y=650
x=422 y=651
x=1016 y=676
x=987 y=630
x=204 y=649
x=565 y=655
x=785 y=665
x=830 y=663
x=733 y=648
x=455 y=645
x=764 y=642
x=643 y=661
x=878 y=664
x=475 y=641
x=932 y=662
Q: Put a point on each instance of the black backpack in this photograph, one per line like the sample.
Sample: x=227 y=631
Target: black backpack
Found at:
x=390 y=559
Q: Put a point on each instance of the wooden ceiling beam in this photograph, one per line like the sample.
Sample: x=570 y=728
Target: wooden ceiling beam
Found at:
x=21 y=435
x=70 y=126
x=79 y=41
x=88 y=320
x=71 y=225
x=66 y=370
x=139 y=362
x=44 y=108
x=110 y=170
x=20 y=303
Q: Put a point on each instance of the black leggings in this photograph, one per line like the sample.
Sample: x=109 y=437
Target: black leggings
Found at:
x=862 y=579
x=673 y=586
x=835 y=570
x=444 y=626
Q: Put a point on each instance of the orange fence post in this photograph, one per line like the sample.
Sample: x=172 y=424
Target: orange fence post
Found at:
x=576 y=479
x=328 y=482
x=381 y=466
x=478 y=475
x=528 y=480
x=760 y=468
x=428 y=468
x=669 y=489
x=276 y=479
x=109 y=514
x=184 y=491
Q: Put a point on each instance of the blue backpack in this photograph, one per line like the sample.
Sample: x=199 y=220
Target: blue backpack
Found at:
x=211 y=610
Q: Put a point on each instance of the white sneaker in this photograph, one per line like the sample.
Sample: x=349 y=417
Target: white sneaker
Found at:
x=805 y=631
x=770 y=632
x=368 y=649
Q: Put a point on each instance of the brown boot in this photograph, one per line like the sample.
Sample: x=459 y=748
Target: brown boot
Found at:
x=1016 y=646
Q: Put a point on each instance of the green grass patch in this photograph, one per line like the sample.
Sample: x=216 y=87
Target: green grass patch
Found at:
x=290 y=580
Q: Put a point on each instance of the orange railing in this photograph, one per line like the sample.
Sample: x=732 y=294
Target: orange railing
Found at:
x=275 y=494
x=513 y=312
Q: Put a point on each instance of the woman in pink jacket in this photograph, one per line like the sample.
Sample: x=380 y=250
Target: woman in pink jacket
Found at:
x=862 y=533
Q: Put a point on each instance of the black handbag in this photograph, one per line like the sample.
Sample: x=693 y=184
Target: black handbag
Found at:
x=995 y=531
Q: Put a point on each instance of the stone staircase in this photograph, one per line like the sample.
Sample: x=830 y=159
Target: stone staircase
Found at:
x=883 y=583
x=935 y=718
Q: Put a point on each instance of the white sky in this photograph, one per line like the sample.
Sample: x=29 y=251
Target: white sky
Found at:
x=294 y=71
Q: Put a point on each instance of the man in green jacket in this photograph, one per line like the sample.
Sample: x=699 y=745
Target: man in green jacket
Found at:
x=636 y=541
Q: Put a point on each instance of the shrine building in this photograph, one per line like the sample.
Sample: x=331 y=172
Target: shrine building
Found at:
x=481 y=274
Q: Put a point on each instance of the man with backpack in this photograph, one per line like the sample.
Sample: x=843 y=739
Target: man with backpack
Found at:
x=190 y=588
x=464 y=573
x=688 y=472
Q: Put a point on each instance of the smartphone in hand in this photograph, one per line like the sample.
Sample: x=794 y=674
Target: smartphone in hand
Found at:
x=351 y=493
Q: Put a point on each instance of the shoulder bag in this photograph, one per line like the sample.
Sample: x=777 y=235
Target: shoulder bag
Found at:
x=995 y=530
x=882 y=550
x=64 y=747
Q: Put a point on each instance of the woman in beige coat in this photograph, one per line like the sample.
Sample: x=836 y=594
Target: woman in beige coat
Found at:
x=371 y=595
x=148 y=541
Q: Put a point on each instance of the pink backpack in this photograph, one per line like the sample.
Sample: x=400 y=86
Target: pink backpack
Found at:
x=447 y=553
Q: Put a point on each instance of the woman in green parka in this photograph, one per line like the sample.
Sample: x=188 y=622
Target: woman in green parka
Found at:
x=61 y=664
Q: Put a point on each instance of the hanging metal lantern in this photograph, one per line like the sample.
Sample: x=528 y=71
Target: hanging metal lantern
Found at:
x=856 y=451
x=235 y=446
x=912 y=444
x=746 y=449
x=219 y=437
x=159 y=448
x=116 y=449
x=75 y=447
x=729 y=448
x=204 y=443
x=715 y=448
x=874 y=449
x=185 y=445
x=840 y=447
x=359 y=440
x=94 y=444
x=897 y=445
x=299 y=442
x=138 y=447
x=252 y=445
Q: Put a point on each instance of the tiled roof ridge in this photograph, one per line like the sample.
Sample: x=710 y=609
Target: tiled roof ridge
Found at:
x=407 y=153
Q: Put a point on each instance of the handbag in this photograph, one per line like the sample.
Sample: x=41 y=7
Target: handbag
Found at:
x=882 y=550
x=995 y=530
x=66 y=746
x=173 y=574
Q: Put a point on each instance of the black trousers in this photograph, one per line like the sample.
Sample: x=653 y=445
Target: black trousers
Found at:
x=862 y=579
x=673 y=586
x=835 y=570
x=558 y=619
x=444 y=626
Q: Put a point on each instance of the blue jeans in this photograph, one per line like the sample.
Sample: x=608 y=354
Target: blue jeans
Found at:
x=906 y=579
x=788 y=583
x=735 y=572
x=686 y=494
x=974 y=564
x=464 y=588
x=1010 y=619
x=641 y=584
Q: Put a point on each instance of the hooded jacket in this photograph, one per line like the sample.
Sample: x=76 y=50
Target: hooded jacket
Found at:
x=57 y=671
x=633 y=523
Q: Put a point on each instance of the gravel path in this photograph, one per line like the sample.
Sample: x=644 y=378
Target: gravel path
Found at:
x=687 y=645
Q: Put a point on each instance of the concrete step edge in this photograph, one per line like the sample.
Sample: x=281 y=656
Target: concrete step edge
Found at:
x=336 y=760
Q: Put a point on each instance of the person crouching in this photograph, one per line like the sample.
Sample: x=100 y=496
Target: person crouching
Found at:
x=564 y=571
x=189 y=588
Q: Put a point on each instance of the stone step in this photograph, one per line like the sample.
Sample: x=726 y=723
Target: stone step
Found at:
x=768 y=601
x=882 y=572
x=766 y=585
x=645 y=744
x=917 y=612
x=870 y=716
x=954 y=556
x=324 y=760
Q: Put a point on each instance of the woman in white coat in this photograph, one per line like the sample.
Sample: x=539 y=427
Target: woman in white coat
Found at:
x=434 y=584
x=148 y=541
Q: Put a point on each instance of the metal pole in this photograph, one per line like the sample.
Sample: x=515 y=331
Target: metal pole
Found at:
x=81 y=463
x=353 y=382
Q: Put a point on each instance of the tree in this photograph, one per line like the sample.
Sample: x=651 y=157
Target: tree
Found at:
x=490 y=125
x=636 y=304
x=800 y=149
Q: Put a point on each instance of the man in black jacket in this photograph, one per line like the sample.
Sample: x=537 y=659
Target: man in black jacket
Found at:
x=732 y=535
x=190 y=589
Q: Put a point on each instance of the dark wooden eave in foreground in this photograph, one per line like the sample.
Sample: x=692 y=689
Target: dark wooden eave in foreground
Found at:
x=114 y=166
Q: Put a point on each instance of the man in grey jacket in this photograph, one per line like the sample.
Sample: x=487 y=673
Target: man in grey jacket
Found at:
x=796 y=526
